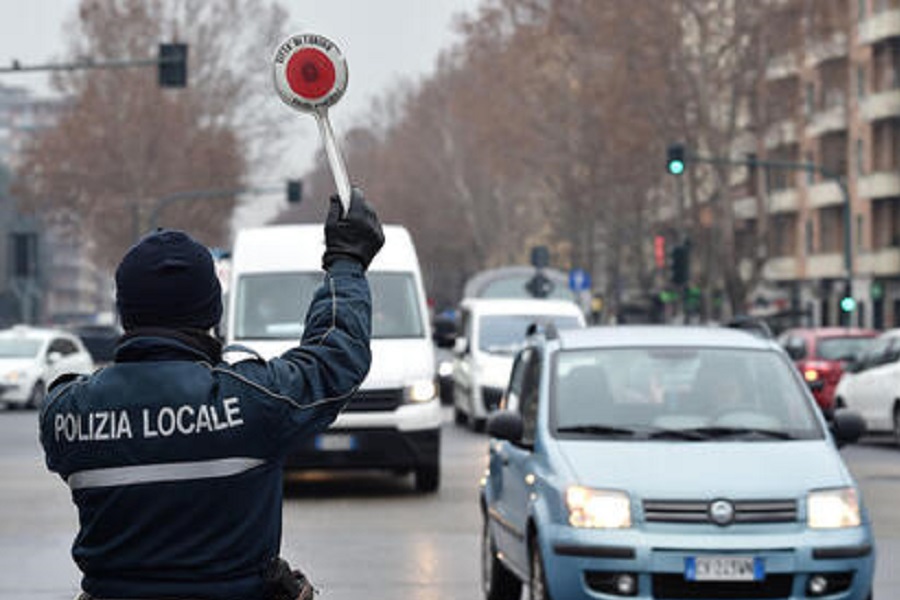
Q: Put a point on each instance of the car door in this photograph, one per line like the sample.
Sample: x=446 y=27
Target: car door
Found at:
x=887 y=388
x=868 y=382
x=518 y=471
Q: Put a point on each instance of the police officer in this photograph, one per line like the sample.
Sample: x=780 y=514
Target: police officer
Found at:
x=173 y=456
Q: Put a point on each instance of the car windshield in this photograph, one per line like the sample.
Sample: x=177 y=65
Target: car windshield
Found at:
x=505 y=334
x=842 y=348
x=19 y=347
x=273 y=305
x=681 y=393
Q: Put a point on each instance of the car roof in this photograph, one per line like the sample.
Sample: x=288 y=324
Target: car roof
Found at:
x=27 y=331
x=521 y=306
x=625 y=336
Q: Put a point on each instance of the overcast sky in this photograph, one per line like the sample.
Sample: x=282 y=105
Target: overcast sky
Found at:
x=382 y=40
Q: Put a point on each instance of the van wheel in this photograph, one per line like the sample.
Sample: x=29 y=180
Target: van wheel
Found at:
x=459 y=417
x=428 y=478
x=478 y=424
x=497 y=582
x=37 y=395
x=537 y=583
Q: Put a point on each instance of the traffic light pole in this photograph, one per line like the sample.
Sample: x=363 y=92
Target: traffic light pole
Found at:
x=17 y=67
x=798 y=166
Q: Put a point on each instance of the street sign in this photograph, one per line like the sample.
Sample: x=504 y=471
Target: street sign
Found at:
x=579 y=280
x=310 y=74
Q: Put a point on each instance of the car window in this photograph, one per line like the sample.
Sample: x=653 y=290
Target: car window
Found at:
x=841 y=348
x=877 y=352
x=63 y=346
x=680 y=388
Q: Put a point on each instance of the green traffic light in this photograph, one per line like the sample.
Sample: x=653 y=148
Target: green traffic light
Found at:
x=848 y=304
x=676 y=167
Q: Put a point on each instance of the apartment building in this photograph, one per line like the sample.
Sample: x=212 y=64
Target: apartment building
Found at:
x=834 y=102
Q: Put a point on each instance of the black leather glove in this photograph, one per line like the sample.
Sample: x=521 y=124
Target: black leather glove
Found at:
x=358 y=236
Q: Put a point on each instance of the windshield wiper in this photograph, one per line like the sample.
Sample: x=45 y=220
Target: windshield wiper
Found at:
x=679 y=434
x=726 y=432
x=598 y=430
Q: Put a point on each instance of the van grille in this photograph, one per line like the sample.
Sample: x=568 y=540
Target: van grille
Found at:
x=697 y=511
x=375 y=400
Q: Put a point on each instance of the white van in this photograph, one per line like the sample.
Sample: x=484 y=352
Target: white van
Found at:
x=491 y=331
x=394 y=420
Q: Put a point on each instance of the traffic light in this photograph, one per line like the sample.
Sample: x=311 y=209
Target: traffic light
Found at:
x=294 y=191
x=172 y=65
x=681 y=264
x=675 y=161
x=659 y=251
x=848 y=303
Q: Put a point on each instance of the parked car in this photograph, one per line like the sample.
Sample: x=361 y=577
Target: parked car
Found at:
x=668 y=462
x=821 y=353
x=31 y=358
x=491 y=332
x=871 y=385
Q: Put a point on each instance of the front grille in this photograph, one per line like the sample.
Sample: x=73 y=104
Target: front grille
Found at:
x=697 y=511
x=375 y=400
x=676 y=587
x=490 y=397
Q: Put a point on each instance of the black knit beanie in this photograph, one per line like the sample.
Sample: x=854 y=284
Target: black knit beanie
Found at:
x=168 y=280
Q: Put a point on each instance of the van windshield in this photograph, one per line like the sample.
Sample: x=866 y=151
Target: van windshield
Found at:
x=505 y=334
x=273 y=305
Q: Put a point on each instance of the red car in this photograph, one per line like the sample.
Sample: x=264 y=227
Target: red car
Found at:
x=821 y=353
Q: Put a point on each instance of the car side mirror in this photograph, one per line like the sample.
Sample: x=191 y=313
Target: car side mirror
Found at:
x=847 y=426
x=506 y=425
x=53 y=358
x=853 y=366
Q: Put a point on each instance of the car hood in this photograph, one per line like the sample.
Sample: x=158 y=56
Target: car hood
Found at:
x=494 y=370
x=16 y=364
x=706 y=469
x=395 y=362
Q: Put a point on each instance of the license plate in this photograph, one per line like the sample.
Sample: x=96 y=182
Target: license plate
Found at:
x=724 y=568
x=333 y=442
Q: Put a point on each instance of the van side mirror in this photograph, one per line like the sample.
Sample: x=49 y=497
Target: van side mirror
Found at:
x=847 y=427
x=443 y=331
x=506 y=425
x=461 y=346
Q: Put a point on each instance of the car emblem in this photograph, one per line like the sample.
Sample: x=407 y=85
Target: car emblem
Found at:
x=721 y=512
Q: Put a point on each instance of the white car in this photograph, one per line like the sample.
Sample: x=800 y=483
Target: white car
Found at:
x=871 y=385
x=492 y=330
x=31 y=358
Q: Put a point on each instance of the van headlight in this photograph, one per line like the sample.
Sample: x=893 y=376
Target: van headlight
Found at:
x=421 y=391
x=15 y=377
x=832 y=509
x=598 y=509
x=445 y=368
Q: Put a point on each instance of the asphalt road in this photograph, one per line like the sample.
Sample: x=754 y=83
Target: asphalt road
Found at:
x=356 y=535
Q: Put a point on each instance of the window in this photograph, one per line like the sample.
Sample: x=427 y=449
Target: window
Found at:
x=810 y=105
x=860 y=157
x=531 y=386
x=860 y=81
x=273 y=305
x=63 y=346
x=811 y=171
x=809 y=236
x=859 y=231
x=861 y=10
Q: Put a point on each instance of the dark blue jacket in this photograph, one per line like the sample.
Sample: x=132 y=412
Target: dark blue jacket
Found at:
x=175 y=462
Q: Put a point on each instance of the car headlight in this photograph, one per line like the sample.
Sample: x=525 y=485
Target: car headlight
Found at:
x=832 y=509
x=15 y=377
x=599 y=509
x=421 y=391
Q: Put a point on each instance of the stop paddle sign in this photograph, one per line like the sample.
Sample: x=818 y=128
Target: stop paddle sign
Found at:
x=310 y=75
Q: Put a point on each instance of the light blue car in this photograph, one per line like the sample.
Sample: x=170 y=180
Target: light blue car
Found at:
x=668 y=463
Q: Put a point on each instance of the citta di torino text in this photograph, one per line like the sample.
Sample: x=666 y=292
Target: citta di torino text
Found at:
x=162 y=422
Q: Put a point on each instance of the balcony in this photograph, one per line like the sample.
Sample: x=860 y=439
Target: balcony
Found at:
x=825 y=266
x=882 y=105
x=827 y=193
x=782 y=201
x=880 y=26
x=830 y=49
x=781 y=268
x=745 y=208
x=881 y=262
x=781 y=133
x=883 y=184
x=827 y=121
x=782 y=67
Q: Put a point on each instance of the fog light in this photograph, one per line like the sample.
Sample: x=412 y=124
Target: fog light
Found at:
x=626 y=585
x=818 y=585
